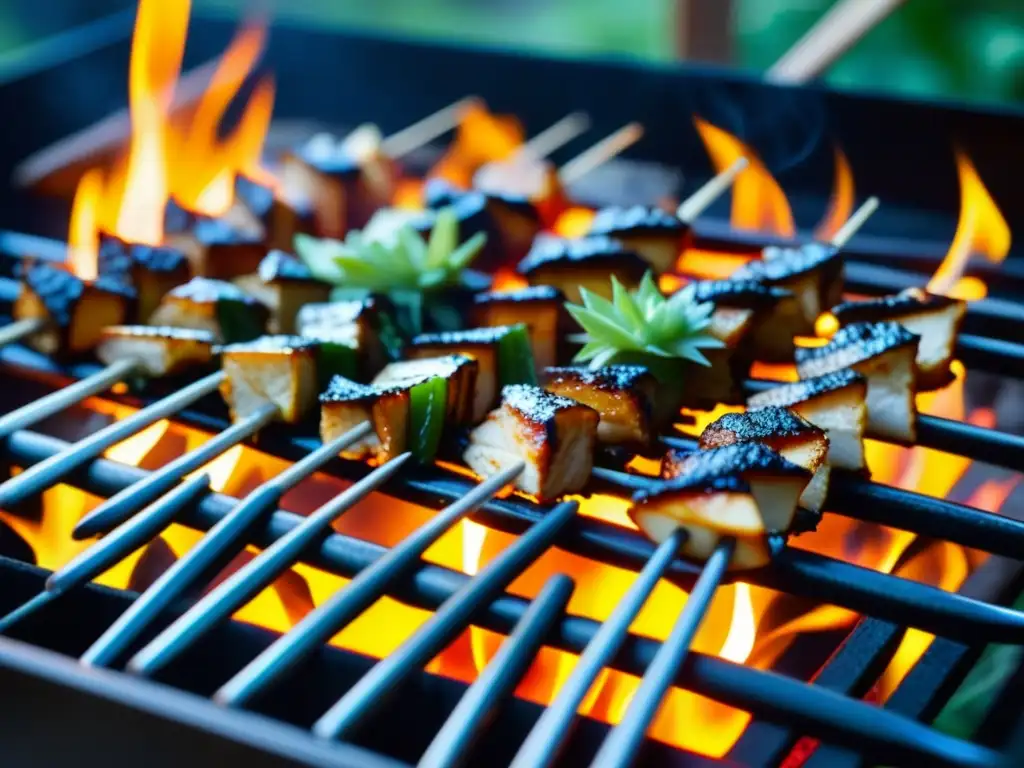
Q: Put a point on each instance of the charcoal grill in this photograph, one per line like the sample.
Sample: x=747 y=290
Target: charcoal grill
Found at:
x=126 y=718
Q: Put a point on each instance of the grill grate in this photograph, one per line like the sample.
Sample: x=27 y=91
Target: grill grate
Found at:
x=834 y=717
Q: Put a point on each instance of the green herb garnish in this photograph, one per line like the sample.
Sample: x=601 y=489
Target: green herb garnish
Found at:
x=643 y=326
x=389 y=255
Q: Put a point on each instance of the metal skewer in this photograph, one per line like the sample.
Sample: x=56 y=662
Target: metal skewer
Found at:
x=691 y=208
x=855 y=222
x=600 y=153
x=130 y=500
x=622 y=745
x=552 y=137
x=426 y=130
x=235 y=591
x=548 y=735
x=499 y=678
x=111 y=549
x=382 y=681
x=55 y=402
x=366 y=588
x=44 y=475
x=219 y=541
x=19 y=329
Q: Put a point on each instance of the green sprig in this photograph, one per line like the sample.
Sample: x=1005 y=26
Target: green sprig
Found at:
x=643 y=324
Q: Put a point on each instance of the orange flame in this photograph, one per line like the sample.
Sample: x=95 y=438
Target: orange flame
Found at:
x=481 y=138
x=980 y=230
x=165 y=160
x=758 y=202
x=573 y=222
x=841 y=204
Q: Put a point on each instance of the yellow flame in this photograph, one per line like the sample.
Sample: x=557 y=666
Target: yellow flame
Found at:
x=841 y=203
x=83 y=231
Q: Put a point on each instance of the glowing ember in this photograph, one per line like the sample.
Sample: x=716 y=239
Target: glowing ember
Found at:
x=758 y=202
x=982 y=230
x=574 y=222
x=841 y=203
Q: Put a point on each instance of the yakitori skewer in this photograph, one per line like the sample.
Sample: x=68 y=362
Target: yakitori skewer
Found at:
x=600 y=153
x=221 y=541
x=450 y=620
x=622 y=745
x=545 y=741
x=498 y=679
x=554 y=136
x=365 y=589
x=425 y=130
x=112 y=549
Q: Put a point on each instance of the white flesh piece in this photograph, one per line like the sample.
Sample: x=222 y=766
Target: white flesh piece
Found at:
x=338 y=418
x=843 y=416
x=158 y=355
x=288 y=380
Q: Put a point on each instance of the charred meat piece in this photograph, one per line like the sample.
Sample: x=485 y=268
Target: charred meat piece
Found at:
x=223 y=309
x=587 y=262
x=279 y=218
x=623 y=395
x=153 y=271
x=836 y=402
x=220 y=249
x=159 y=351
x=778 y=315
x=275 y=369
x=657 y=236
x=284 y=284
x=344 y=180
x=885 y=354
x=74 y=311
x=523 y=195
x=361 y=330
x=554 y=436
x=709 y=509
x=791 y=436
x=346 y=404
x=458 y=370
x=502 y=354
x=936 y=319
x=538 y=307
x=813 y=272
x=407 y=413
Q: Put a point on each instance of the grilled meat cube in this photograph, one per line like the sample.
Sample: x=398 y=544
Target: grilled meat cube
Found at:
x=346 y=404
x=655 y=235
x=587 y=262
x=153 y=271
x=709 y=509
x=284 y=284
x=524 y=195
x=623 y=396
x=502 y=353
x=836 y=402
x=279 y=218
x=884 y=353
x=813 y=272
x=276 y=369
x=359 y=325
x=221 y=308
x=220 y=249
x=778 y=316
x=775 y=482
x=74 y=311
x=936 y=319
x=553 y=435
x=539 y=308
x=345 y=181
x=458 y=370
x=791 y=436
x=160 y=351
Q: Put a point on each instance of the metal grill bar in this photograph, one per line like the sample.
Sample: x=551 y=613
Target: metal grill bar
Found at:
x=48 y=473
x=55 y=402
x=549 y=734
x=498 y=679
x=18 y=330
x=622 y=745
x=212 y=548
x=246 y=583
x=451 y=618
x=364 y=590
x=111 y=549
x=127 y=502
